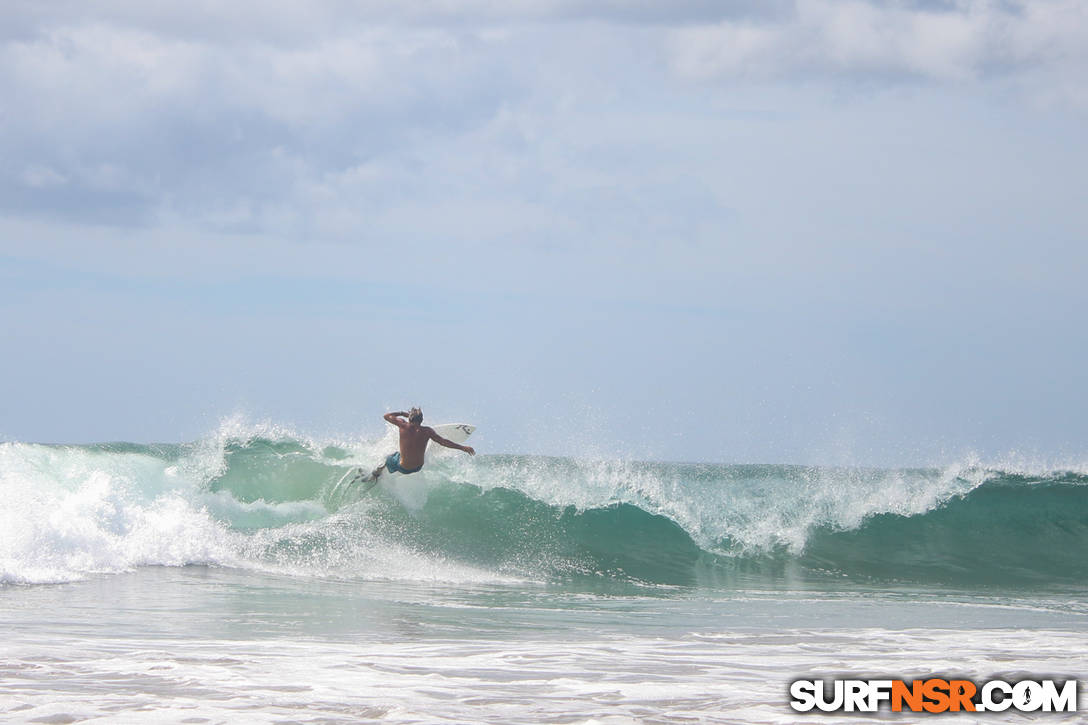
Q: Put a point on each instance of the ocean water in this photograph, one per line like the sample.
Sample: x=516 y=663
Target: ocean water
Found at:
x=221 y=581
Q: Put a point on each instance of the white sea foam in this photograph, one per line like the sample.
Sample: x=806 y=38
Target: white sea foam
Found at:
x=72 y=511
x=719 y=677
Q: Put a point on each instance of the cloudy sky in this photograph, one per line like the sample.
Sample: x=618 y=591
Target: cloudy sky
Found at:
x=784 y=231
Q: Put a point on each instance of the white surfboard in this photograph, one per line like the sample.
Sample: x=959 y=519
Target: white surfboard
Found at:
x=456 y=432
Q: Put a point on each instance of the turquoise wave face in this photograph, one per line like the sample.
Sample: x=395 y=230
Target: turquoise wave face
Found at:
x=267 y=502
x=1009 y=529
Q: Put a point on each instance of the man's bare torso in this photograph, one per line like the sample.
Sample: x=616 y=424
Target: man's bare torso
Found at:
x=413 y=444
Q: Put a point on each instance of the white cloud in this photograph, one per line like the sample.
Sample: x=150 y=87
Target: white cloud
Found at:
x=287 y=23
x=557 y=119
x=827 y=39
x=225 y=131
x=110 y=73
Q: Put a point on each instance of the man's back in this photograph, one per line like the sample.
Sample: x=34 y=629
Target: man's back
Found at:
x=413 y=444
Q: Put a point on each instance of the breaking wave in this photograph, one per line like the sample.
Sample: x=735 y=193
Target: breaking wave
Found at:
x=263 y=498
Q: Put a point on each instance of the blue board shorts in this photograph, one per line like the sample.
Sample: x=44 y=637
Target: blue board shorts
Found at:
x=392 y=464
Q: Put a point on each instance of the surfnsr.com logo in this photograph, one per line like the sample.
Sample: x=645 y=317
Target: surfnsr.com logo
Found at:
x=933 y=695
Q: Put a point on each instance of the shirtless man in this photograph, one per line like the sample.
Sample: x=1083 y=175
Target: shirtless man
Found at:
x=414 y=437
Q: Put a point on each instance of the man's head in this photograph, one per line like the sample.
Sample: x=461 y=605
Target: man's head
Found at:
x=415 y=415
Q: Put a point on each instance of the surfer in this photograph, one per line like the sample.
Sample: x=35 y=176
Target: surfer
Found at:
x=414 y=437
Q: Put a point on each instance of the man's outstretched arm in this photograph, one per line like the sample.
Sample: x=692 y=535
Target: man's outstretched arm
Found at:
x=450 y=444
x=395 y=418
